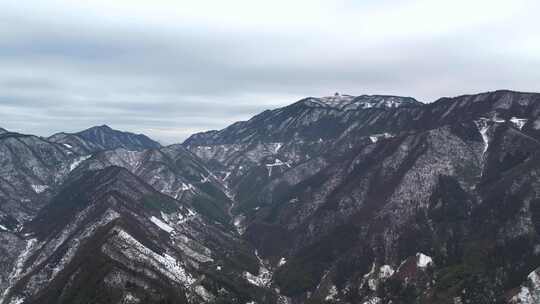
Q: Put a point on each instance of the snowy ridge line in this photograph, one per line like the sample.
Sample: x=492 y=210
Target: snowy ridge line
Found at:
x=137 y=253
x=68 y=236
x=109 y=216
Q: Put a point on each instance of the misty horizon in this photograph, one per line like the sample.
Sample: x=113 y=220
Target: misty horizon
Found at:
x=169 y=69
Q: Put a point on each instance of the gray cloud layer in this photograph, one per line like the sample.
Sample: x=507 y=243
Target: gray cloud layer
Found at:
x=170 y=68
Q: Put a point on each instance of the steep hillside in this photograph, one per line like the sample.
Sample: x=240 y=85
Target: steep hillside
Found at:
x=108 y=237
x=341 y=215
x=173 y=171
x=29 y=167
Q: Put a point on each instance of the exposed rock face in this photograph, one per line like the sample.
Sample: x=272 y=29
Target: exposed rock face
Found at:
x=341 y=199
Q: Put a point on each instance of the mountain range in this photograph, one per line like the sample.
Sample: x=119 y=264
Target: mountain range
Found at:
x=366 y=199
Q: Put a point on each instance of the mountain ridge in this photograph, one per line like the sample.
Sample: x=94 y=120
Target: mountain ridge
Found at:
x=367 y=199
x=113 y=220
x=321 y=188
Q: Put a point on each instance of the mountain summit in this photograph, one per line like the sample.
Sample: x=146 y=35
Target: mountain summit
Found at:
x=103 y=138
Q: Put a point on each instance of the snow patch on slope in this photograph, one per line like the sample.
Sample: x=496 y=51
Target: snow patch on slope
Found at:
x=265 y=276
x=483 y=127
x=518 y=122
x=161 y=224
x=138 y=254
x=277 y=163
x=529 y=293
x=17 y=300
x=375 y=137
x=17 y=271
x=332 y=293
x=39 y=188
x=386 y=271
x=186 y=187
x=374 y=300
x=423 y=260
x=375 y=276
x=78 y=161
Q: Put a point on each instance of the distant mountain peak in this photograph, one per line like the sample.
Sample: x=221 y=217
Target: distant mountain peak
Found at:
x=103 y=137
x=102 y=127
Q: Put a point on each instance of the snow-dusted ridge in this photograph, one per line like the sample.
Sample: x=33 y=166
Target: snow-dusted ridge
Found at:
x=349 y=102
x=137 y=252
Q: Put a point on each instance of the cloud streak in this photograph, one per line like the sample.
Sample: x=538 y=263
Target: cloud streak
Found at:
x=171 y=68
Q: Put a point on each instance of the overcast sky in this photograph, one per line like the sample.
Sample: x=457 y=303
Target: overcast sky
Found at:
x=169 y=68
